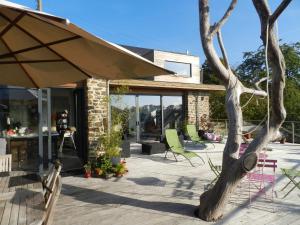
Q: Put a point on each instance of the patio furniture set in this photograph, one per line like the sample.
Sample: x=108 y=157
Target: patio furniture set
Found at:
x=175 y=146
x=258 y=179
x=263 y=174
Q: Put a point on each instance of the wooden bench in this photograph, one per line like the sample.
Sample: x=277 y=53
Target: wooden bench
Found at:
x=5 y=163
x=52 y=187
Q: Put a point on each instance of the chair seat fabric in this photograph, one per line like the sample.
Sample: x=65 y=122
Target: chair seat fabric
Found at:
x=261 y=177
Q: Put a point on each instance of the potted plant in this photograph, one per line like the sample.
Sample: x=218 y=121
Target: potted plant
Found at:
x=120 y=169
x=103 y=166
x=97 y=169
x=88 y=170
x=110 y=145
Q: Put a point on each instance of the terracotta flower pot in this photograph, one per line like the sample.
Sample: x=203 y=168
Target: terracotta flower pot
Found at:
x=87 y=174
x=98 y=171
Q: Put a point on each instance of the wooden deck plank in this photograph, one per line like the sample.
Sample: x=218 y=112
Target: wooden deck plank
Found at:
x=22 y=211
x=21 y=199
x=2 y=206
x=5 y=185
x=6 y=214
x=14 y=211
x=2 y=182
x=35 y=208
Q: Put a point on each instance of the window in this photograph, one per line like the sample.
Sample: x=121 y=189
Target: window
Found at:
x=172 y=112
x=181 y=69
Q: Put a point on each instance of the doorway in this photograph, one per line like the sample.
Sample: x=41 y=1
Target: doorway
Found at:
x=70 y=153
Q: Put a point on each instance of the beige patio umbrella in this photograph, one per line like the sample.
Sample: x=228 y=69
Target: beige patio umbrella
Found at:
x=41 y=50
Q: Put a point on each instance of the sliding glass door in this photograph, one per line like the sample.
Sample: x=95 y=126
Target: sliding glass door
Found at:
x=126 y=104
x=172 y=112
x=150 y=117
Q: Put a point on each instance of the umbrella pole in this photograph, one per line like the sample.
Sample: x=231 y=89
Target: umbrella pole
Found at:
x=40 y=130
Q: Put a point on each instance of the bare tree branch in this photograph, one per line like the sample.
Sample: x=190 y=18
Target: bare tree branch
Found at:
x=259 y=82
x=218 y=25
x=207 y=43
x=39 y=5
x=213 y=201
x=220 y=40
x=255 y=92
x=258 y=91
x=279 y=10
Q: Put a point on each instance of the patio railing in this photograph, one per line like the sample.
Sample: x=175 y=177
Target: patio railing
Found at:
x=290 y=129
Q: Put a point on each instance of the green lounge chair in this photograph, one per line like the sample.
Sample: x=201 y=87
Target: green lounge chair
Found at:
x=176 y=147
x=216 y=170
x=292 y=174
x=194 y=137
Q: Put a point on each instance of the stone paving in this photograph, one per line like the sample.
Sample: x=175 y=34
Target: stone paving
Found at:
x=165 y=192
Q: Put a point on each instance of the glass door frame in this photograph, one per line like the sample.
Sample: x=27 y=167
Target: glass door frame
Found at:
x=137 y=110
x=137 y=117
x=44 y=95
x=138 y=114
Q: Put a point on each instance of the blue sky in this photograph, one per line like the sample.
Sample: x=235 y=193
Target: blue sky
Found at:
x=171 y=24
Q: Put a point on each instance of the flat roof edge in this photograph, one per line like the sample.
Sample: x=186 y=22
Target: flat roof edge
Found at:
x=168 y=85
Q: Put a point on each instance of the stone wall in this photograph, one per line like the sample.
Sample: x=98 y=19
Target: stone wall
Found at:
x=197 y=104
x=96 y=106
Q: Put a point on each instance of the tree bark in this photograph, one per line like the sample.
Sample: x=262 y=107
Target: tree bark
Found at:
x=39 y=5
x=213 y=201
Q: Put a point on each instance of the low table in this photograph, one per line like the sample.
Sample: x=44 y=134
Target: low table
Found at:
x=152 y=147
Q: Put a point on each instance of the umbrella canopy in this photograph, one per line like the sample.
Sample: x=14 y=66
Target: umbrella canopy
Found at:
x=41 y=50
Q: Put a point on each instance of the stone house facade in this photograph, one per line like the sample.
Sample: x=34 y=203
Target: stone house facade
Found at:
x=188 y=86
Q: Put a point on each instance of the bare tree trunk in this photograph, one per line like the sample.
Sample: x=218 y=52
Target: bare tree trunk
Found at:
x=213 y=201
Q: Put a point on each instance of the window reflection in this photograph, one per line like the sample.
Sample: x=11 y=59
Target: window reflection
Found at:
x=181 y=69
x=18 y=112
x=150 y=117
x=19 y=126
x=149 y=120
x=125 y=104
x=173 y=113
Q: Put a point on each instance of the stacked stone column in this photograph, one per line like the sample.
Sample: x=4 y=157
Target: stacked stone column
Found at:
x=97 y=112
x=197 y=104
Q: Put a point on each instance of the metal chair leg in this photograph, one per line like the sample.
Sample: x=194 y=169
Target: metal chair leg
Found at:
x=175 y=157
x=166 y=154
x=73 y=141
x=61 y=144
x=201 y=159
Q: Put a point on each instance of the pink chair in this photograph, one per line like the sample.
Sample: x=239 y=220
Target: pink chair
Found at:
x=263 y=174
x=243 y=148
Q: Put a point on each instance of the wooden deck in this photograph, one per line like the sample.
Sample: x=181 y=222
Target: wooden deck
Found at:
x=163 y=192
x=21 y=199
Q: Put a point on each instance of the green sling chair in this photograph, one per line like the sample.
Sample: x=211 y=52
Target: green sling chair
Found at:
x=176 y=147
x=194 y=137
x=216 y=170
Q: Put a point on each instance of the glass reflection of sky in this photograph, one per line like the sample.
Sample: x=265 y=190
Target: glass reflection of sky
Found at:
x=122 y=102
x=179 y=68
x=149 y=100
x=172 y=100
x=128 y=101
